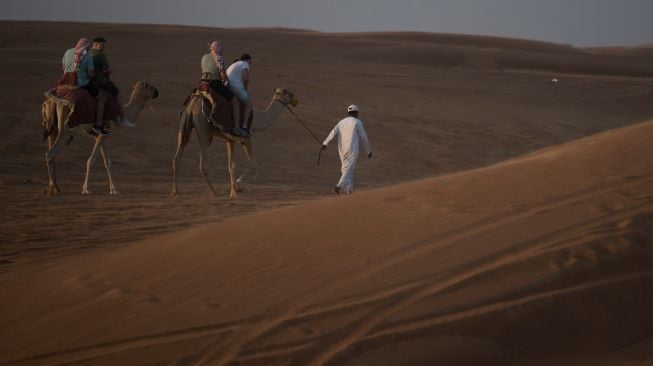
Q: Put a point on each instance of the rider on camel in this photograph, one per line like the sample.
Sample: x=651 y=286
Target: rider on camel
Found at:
x=78 y=72
x=214 y=72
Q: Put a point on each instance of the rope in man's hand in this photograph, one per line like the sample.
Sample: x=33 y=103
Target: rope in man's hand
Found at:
x=322 y=147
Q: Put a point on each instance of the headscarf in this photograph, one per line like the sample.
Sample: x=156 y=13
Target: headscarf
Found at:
x=216 y=52
x=81 y=49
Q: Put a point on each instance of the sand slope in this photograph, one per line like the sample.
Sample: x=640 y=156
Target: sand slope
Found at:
x=540 y=260
x=544 y=259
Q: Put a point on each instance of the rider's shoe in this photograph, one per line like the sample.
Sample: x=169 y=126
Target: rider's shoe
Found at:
x=239 y=131
x=99 y=130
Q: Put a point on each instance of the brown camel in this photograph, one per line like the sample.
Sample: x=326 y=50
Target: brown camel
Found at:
x=193 y=116
x=56 y=113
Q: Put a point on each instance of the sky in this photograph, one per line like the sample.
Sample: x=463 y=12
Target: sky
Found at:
x=577 y=22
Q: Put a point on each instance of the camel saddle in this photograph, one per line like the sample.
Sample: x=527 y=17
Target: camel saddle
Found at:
x=83 y=105
x=222 y=117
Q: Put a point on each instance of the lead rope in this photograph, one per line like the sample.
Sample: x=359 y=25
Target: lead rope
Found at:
x=304 y=124
x=319 y=154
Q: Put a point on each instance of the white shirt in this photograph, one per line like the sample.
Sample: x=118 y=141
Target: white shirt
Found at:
x=349 y=130
x=235 y=74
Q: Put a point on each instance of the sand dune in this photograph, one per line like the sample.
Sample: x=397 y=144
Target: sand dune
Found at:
x=545 y=258
x=643 y=51
x=474 y=236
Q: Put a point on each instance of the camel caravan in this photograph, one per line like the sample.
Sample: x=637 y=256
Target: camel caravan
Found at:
x=86 y=100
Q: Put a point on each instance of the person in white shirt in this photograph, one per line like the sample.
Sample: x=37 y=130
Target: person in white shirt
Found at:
x=349 y=130
x=238 y=74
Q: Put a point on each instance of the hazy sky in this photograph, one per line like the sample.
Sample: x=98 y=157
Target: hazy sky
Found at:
x=578 y=22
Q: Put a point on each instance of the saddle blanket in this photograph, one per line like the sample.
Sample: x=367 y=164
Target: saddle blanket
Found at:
x=84 y=106
x=222 y=116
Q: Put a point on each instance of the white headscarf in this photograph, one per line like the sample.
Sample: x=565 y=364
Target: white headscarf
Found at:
x=216 y=52
x=81 y=49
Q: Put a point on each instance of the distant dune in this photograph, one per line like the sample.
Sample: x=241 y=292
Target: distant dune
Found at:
x=644 y=51
x=504 y=220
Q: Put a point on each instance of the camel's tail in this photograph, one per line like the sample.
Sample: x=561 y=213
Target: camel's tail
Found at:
x=49 y=118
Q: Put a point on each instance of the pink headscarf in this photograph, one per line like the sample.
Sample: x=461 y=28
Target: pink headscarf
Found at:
x=81 y=49
x=216 y=52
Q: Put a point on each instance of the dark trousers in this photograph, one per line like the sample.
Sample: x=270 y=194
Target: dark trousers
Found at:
x=110 y=87
x=92 y=89
x=219 y=88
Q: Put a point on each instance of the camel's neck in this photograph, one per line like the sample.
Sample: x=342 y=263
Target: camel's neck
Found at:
x=264 y=119
x=134 y=107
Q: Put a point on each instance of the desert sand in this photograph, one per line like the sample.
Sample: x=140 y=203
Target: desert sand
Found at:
x=504 y=219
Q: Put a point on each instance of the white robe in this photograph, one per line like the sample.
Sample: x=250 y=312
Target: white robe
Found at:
x=349 y=130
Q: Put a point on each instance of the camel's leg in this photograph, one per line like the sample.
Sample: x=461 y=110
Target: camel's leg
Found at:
x=50 y=155
x=53 y=149
x=182 y=139
x=230 y=169
x=251 y=161
x=203 y=135
x=90 y=161
x=181 y=144
x=107 y=164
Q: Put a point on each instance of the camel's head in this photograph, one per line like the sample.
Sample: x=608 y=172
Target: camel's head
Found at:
x=285 y=96
x=142 y=88
x=141 y=93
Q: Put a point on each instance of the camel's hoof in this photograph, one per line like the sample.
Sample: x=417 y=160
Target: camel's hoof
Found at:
x=114 y=193
x=86 y=191
x=51 y=191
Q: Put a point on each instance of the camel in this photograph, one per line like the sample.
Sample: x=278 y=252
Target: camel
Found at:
x=56 y=112
x=193 y=116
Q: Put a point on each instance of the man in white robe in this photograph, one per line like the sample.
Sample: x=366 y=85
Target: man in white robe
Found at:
x=349 y=131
